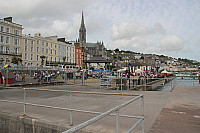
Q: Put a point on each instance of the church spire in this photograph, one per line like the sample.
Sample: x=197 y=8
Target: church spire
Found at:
x=82 y=22
x=82 y=33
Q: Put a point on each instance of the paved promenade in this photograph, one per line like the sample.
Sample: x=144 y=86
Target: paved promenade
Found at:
x=170 y=112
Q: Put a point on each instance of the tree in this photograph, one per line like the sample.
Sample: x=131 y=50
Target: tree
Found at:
x=15 y=60
x=142 y=57
x=64 y=58
x=42 y=59
x=116 y=50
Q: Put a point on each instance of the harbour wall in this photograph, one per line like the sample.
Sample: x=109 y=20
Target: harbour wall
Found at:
x=24 y=124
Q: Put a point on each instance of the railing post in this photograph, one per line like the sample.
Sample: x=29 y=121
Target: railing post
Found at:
x=142 y=100
x=193 y=81
x=121 y=83
x=71 y=122
x=117 y=121
x=171 y=84
x=145 y=82
x=74 y=78
x=24 y=101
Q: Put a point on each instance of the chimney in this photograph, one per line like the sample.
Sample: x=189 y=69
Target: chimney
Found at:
x=9 y=19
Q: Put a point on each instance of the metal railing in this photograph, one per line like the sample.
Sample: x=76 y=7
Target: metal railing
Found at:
x=112 y=112
x=137 y=83
x=145 y=84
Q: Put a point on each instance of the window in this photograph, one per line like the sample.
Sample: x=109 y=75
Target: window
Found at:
x=7 y=49
x=51 y=59
x=31 y=57
x=46 y=58
x=77 y=61
x=51 y=51
x=76 y=50
x=31 y=42
x=55 y=52
x=37 y=42
x=42 y=43
x=16 y=41
x=2 y=38
x=16 y=51
x=26 y=41
x=37 y=49
x=25 y=56
x=80 y=51
x=47 y=44
x=70 y=54
x=2 y=28
x=37 y=57
x=31 y=48
x=26 y=48
x=77 y=55
x=47 y=50
x=42 y=50
x=58 y=59
x=55 y=59
x=7 y=30
x=51 y=45
x=7 y=40
x=16 y=32
x=1 y=49
x=55 y=46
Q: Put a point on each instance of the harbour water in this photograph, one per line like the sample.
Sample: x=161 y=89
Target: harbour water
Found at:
x=179 y=81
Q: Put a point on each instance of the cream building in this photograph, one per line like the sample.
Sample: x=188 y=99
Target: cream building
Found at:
x=34 y=47
x=10 y=40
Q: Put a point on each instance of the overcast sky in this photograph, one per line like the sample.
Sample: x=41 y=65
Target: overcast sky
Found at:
x=167 y=27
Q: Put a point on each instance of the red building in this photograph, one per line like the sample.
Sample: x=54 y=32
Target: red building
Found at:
x=78 y=57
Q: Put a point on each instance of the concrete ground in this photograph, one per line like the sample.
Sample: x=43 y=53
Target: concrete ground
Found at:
x=160 y=108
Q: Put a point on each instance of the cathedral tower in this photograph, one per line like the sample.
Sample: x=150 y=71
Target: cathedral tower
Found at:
x=82 y=33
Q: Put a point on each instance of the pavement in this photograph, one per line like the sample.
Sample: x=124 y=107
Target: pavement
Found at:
x=170 y=112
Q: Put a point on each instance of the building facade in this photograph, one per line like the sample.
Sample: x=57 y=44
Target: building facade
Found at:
x=78 y=57
x=10 y=40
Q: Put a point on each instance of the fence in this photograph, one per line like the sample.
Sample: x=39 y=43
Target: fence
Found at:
x=145 y=84
x=137 y=83
x=112 y=112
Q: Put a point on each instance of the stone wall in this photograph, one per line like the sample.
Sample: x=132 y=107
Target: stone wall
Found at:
x=24 y=124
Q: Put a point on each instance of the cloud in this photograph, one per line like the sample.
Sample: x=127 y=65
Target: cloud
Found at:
x=171 y=44
x=130 y=30
x=136 y=37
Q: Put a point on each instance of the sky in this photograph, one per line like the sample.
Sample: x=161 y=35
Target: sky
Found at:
x=163 y=27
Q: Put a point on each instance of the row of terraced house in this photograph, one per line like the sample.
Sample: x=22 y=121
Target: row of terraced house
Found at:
x=30 y=49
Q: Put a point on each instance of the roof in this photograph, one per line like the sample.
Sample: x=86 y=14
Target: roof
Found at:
x=97 y=59
x=91 y=44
